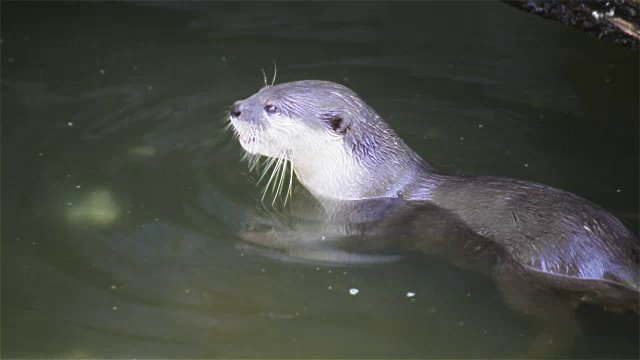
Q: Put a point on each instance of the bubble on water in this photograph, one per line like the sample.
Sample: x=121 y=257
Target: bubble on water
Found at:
x=353 y=291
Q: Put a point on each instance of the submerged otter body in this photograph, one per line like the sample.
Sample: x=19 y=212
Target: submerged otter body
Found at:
x=536 y=241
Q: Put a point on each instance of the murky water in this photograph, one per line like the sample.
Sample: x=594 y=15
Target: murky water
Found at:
x=122 y=197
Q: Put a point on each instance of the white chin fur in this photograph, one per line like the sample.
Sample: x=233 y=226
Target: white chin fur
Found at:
x=246 y=137
x=249 y=147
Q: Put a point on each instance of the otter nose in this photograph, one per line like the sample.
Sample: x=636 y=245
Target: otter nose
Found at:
x=235 y=110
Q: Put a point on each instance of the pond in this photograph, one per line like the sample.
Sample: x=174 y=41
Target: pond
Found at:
x=122 y=196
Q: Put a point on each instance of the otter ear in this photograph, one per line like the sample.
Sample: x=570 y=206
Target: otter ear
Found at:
x=335 y=121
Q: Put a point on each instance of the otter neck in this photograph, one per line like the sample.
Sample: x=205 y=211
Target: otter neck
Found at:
x=338 y=175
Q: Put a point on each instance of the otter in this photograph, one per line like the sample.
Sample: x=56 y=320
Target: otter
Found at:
x=548 y=250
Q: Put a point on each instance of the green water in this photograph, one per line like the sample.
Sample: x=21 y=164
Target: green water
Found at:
x=122 y=197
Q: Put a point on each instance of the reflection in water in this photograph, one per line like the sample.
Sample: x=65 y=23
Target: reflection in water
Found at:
x=144 y=262
x=96 y=208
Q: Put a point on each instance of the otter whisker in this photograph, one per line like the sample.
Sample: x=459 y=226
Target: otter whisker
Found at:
x=269 y=162
x=283 y=173
x=275 y=71
x=289 y=191
x=264 y=75
x=229 y=126
x=253 y=161
x=273 y=173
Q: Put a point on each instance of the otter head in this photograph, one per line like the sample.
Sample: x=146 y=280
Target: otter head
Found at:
x=338 y=146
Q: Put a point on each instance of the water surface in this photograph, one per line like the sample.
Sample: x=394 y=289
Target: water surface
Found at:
x=122 y=197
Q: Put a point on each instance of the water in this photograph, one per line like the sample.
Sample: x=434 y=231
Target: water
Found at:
x=122 y=197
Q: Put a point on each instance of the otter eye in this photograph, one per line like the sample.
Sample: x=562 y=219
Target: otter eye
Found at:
x=271 y=109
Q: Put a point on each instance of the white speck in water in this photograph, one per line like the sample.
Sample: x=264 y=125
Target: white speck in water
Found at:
x=77 y=186
x=346 y=78
x=596 y=15
x=461 y=138
x=115 y=308
x=411 y=294
x=241 y=254
x=69 y=204
x=618 y=190
x=113 y=287
x=329 y=287
x=263 y=270
x=460 y=323
x=468 y=294
x=69 y=124
x=224 y=58
x=611 y=12
x=526 y=165
x=33 y=243
x=150 y=87
x=317 y=269
x=323 y=238
x=353 y=291
x=101 y=71
x=187 y=291
x=135 y=68
x=40 y=154
x=484 y=332
x=157 y=219
x=344 y=272
x=11 y=60
x=480 y=126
